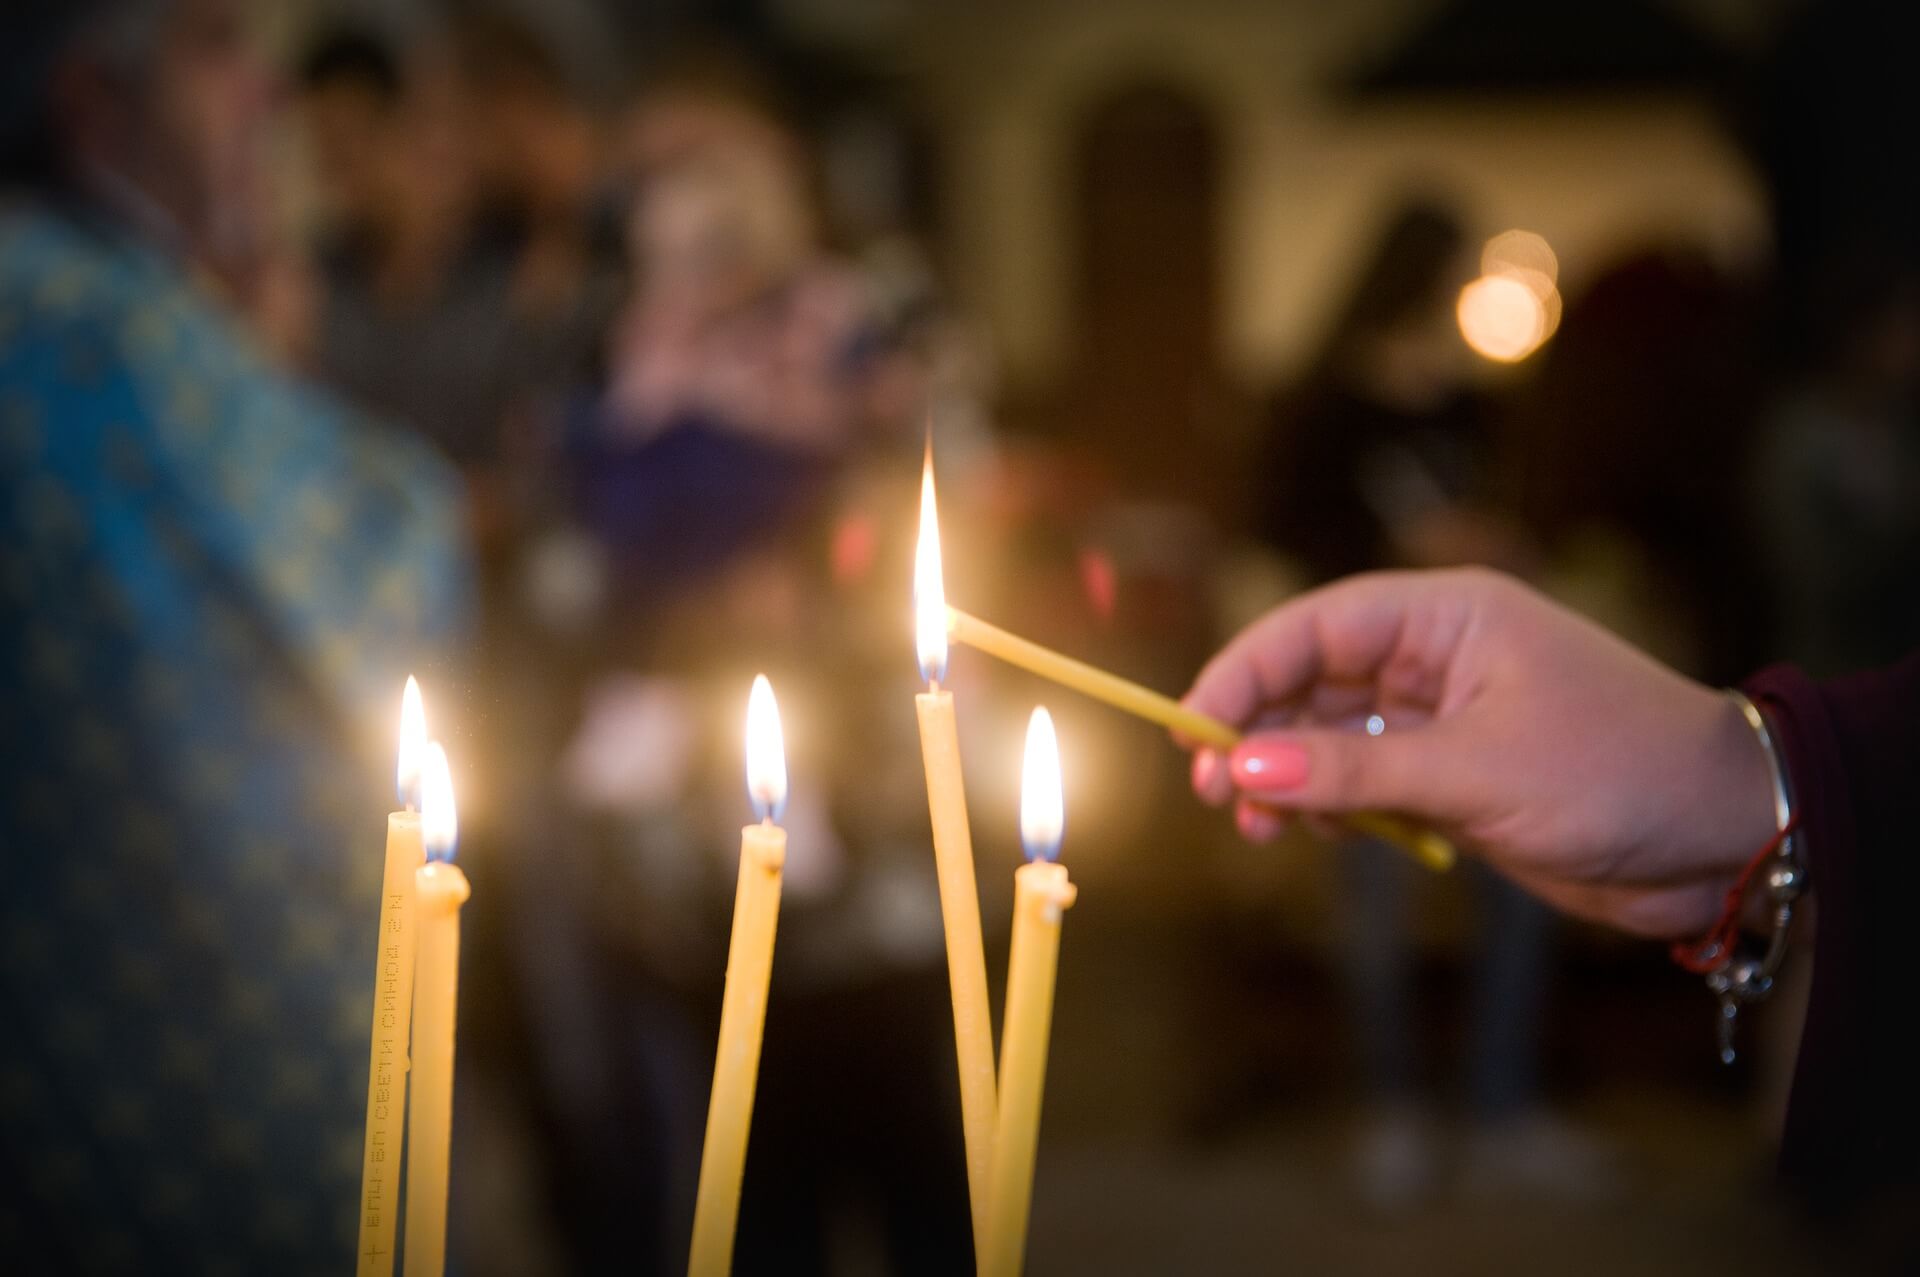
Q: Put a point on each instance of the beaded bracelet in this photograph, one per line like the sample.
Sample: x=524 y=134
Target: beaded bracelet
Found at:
x=1738 y=975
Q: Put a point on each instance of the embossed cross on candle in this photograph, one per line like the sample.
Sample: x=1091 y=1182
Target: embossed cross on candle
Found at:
x=392 y=1004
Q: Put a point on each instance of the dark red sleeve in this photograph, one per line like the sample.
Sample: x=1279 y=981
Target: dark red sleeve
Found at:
x=1852 y=750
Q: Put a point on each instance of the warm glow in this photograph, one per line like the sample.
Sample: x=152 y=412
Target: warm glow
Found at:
x=1503 y=326
x=1501 y=318
x=929 y=591
x=413 y=739
x=1519 y=250
x=1542 y=287
x=1043 y=815
x=766 y=752
x=439 y=824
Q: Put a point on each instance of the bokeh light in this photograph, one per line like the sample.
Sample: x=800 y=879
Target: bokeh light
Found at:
x=1501 y=318
x=1518 y=250
x=1495 y=320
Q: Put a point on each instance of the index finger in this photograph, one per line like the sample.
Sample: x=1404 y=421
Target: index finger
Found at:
x=1346 y=631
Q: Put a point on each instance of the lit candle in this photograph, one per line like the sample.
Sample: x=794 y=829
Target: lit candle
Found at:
x=1041 y=894
x=392 y=1005
x=953 y=858
x=440 y=889
x=743 y=1008
x=1424 y=845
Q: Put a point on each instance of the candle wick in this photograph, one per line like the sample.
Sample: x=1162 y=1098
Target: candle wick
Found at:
x=933 y=686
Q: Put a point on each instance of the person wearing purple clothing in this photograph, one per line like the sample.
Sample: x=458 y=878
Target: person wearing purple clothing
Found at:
x=1617 y=790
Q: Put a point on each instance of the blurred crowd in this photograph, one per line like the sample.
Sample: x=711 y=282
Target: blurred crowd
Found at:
x=682 y=370
x=682 y=402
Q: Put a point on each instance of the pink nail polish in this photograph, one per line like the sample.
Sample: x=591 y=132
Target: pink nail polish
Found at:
x=1269 y=765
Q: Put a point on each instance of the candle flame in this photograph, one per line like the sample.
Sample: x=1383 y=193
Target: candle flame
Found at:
x=766 y=752
x=1043 y=815
x=929 y=590
x=413 y=739
x=439 y=823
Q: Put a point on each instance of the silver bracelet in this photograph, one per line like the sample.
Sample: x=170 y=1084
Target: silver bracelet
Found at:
x=1741 y=976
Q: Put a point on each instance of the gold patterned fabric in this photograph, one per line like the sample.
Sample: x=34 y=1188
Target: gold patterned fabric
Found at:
x=213 y=582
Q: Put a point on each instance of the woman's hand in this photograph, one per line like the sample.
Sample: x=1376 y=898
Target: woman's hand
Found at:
x=1602 y=781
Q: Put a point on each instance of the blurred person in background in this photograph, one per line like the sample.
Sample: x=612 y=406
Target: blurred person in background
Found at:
x=468 y=263
x=1383 y=455
x=1621 y=444
x=744 y=366
x=548 y=198
x=867 y=1170
x=1835 y=484
x=213 y=583
x=413 y=318
x=471 y=272
x=726 y=478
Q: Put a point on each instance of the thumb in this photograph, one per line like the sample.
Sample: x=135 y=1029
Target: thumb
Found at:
x=1318 y=769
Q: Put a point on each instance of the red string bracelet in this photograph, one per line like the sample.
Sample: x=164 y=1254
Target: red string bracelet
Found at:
x=1712 y=951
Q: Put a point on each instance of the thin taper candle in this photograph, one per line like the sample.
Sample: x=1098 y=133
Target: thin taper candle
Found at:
x=743 y=1008
x=966 y=952
x=440 y=889
x=1429 y=848
x=1042 y=894
x=953 y=861
x=392 y=1006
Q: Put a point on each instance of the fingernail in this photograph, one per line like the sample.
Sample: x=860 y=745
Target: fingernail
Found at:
x=1269 y=764
x=1206 y=769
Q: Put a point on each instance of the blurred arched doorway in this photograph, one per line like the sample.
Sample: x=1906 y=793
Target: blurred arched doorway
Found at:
x=1145 y=390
